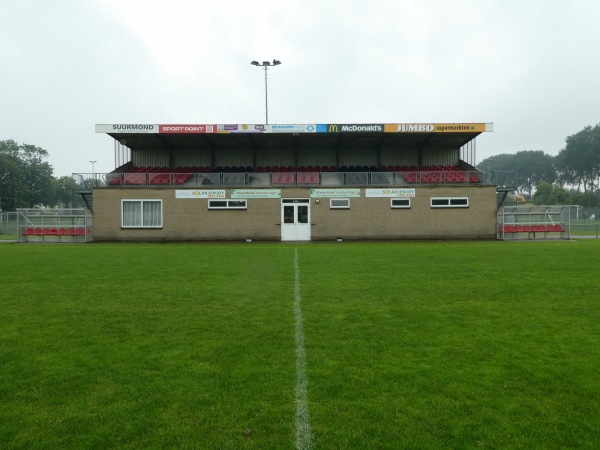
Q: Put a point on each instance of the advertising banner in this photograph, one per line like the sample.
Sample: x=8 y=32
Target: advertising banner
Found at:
x=402 y=192
x=438 y=127
x=127 y=128
x=256 y=193
x=292 y=128
x=334 y=193
x=242 y=128
x=355 y=128
x=202 y=193
x=187 y=129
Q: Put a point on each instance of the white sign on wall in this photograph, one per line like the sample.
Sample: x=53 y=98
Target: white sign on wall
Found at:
x=199 y=193
x=401 y=192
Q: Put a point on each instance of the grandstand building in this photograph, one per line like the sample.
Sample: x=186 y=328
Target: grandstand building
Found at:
x=291 y=182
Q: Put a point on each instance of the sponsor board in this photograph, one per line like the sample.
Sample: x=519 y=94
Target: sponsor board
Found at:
x=127 y=128
x=292 y=128
x=255 y=193
x=334 y=193
x=199 y=193
x=355 y=128
x=438 y=127
x=242 y=128
x=184 y=129
x=402 y=192
x=296 y=128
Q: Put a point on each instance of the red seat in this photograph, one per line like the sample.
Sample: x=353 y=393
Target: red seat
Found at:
x=28 y=231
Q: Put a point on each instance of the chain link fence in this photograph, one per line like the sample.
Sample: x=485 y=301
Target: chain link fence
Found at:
x=8 y=225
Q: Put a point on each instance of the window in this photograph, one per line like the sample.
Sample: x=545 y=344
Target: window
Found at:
x=227 y=204
x=339 y=203
x=141 y=213
x=449 y=202
x=400 y=203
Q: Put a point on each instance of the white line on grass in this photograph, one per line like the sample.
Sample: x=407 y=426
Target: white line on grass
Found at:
x=303 y=438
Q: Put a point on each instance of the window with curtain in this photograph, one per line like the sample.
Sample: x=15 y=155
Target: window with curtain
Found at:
x=141 y=213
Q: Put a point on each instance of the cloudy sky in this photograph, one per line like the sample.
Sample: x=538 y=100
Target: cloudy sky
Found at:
x=530 y=67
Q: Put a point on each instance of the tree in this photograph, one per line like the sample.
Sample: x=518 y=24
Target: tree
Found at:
x=24 y=175
x=548 y=194
x=531 y=167
x=63 y=189
x=578 y=164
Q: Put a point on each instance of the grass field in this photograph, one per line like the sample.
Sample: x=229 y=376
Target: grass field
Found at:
x=406 y=345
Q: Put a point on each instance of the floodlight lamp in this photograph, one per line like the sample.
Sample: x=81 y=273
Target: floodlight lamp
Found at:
x=266 y=63
x=255 y=63
x=276 y=62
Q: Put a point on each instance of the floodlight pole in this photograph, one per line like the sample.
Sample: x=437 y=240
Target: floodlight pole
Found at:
x=266 y=65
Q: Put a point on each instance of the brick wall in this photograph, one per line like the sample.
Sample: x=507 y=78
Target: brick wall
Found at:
x=367 y=218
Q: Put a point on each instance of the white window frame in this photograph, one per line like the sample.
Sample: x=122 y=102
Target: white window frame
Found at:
x=404 y=199
x=141 y=202
x=450 y=202
x=229 y=204
x=332 y=206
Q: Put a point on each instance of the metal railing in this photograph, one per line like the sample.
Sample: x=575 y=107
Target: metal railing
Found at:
x=269 y=179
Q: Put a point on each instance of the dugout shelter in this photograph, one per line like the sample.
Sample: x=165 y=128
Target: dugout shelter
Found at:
x=293 y=182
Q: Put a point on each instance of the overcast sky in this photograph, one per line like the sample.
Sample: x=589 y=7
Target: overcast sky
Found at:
x=530 y=67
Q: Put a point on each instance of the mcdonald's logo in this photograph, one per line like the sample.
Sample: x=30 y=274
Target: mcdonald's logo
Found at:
x=332 y=128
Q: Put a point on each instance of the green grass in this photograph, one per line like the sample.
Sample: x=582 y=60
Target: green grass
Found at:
x=408 y=345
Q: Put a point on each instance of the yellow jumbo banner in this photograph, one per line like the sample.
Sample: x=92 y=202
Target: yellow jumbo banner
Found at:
x=438 y=127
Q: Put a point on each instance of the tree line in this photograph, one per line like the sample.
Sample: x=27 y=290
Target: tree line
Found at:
x=27 y=180
x=571 y=177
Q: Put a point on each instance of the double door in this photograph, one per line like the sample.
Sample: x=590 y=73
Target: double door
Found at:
x=295 y=219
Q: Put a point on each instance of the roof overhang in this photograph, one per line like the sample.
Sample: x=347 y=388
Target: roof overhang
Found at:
x=214 y=136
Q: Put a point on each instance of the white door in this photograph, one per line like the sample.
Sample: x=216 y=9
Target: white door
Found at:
x=295 y=219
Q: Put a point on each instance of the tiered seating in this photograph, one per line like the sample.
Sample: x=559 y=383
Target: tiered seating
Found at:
x=234 y=169
x=283 y=178
x=359 y=169
x=302 y=175
x=158 y=175
x=434 y=174
x=294 y=169
x=308 y=178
